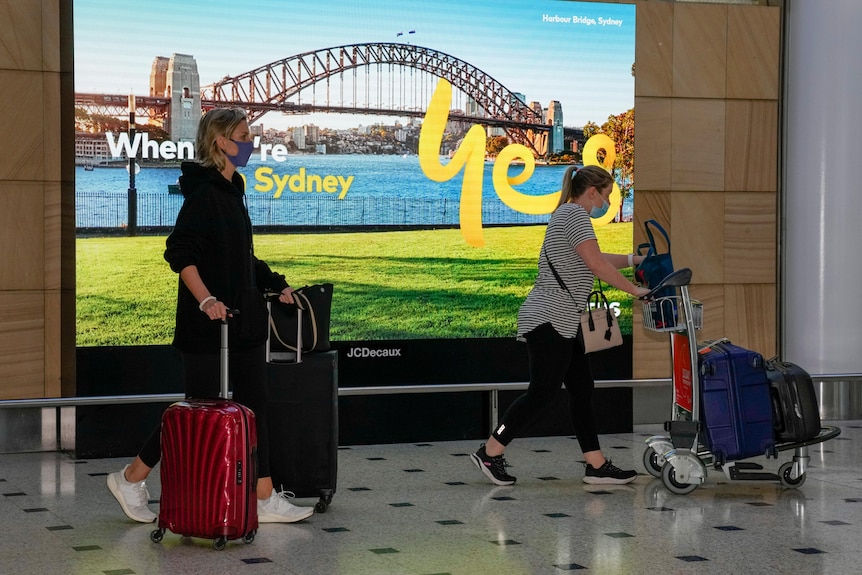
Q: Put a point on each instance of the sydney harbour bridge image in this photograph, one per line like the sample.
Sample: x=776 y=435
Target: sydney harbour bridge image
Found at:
x=379 y=79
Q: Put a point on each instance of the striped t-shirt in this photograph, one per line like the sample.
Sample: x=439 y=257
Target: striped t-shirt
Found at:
x=548 y=301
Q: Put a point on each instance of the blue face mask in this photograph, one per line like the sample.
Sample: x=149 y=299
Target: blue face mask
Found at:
x=596 y=213
x=242 y=156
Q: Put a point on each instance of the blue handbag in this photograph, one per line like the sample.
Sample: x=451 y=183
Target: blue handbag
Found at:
x=654 y=268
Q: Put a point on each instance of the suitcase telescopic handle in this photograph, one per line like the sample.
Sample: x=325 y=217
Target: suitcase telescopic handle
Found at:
x=224 y=376
x=298 y=334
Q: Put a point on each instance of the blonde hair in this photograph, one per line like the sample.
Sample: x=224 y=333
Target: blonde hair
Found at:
x=217 y=122
x=577 y=180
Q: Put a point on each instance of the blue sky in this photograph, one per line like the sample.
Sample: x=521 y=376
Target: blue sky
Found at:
x=585 y=67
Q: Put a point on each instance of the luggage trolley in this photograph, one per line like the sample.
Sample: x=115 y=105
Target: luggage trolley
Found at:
x=680 y=457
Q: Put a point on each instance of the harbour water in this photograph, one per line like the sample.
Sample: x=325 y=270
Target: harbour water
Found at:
x=314 y=190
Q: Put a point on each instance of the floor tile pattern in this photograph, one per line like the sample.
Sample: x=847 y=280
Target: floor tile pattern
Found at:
x=424 y=509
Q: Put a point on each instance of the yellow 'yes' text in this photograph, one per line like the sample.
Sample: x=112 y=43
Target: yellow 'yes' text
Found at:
x=470 y=156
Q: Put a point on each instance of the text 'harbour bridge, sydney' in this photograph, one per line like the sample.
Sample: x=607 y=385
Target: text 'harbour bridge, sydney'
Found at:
x=384 y=79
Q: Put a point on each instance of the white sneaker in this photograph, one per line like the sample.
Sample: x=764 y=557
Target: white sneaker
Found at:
x=277 y=509
x=132 y=497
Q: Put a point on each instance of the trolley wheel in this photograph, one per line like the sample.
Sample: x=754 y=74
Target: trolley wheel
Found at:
x=156 y=535
x=220 y=543
x=249 y=537
x=653 y=462
x=784 y=476
x=668 y=478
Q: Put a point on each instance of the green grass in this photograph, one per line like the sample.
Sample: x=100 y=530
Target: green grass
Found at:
x=388 y=285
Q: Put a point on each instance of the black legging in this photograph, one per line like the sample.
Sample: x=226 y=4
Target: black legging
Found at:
x=247 y=370
x=554 y=359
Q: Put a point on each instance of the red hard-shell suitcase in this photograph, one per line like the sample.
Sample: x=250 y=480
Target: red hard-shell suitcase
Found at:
x=209 y=468
x=796 y=416
x=736 y=403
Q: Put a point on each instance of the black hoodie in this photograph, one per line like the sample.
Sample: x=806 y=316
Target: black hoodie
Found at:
x=213 y=232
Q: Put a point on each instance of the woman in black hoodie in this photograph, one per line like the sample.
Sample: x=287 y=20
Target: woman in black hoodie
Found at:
x=211 y=249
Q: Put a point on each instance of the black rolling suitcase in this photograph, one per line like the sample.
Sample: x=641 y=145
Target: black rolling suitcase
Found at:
x=303 y=424
x=796 y=416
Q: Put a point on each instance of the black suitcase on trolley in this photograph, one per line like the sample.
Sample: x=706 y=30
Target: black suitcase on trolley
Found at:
x=303 y=425
x=796 y=416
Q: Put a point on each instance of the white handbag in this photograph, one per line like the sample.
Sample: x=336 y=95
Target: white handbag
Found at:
x=599 y=326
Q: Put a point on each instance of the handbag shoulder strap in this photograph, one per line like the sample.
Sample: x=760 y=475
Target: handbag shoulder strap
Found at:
x=554 y=270
x=303 y=303
x=658 y=228
x=565 y=287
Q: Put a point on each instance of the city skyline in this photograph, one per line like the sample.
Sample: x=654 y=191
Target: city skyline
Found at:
x=577 y=53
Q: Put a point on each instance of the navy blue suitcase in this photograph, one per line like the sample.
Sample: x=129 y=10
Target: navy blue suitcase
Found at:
x=736 y=403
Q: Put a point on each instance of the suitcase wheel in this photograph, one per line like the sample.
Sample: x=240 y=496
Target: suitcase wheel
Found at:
x=249 y=537
x=156 y=535
x=220 y=543
x=323 y=504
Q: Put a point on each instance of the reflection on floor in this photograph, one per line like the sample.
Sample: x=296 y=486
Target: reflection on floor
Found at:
x=424 y=509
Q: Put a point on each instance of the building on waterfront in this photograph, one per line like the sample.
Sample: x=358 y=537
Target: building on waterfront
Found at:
x=297 y=135
x=312 y=134
x=556 y=142
x=537 y=108
x=177 y=78
x=91 y=149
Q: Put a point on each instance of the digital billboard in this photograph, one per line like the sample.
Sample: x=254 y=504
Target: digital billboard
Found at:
x=408 y=152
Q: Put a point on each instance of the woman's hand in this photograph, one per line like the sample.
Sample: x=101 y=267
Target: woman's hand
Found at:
x=640 y=291
x=286 y=295
x=214 y=308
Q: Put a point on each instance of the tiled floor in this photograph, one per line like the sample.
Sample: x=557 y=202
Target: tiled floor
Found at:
x=424 y=509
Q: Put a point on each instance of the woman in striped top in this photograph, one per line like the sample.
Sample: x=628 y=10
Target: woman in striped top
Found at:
x=549 y=322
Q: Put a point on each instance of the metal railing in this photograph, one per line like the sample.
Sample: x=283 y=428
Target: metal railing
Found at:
x=109 y=210
x=361 y=391
x=494 y=389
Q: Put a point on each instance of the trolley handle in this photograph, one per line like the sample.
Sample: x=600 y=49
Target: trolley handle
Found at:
x=677 y=278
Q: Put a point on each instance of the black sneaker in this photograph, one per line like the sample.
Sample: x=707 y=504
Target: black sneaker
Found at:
x=608 y=474
x=493 y=467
